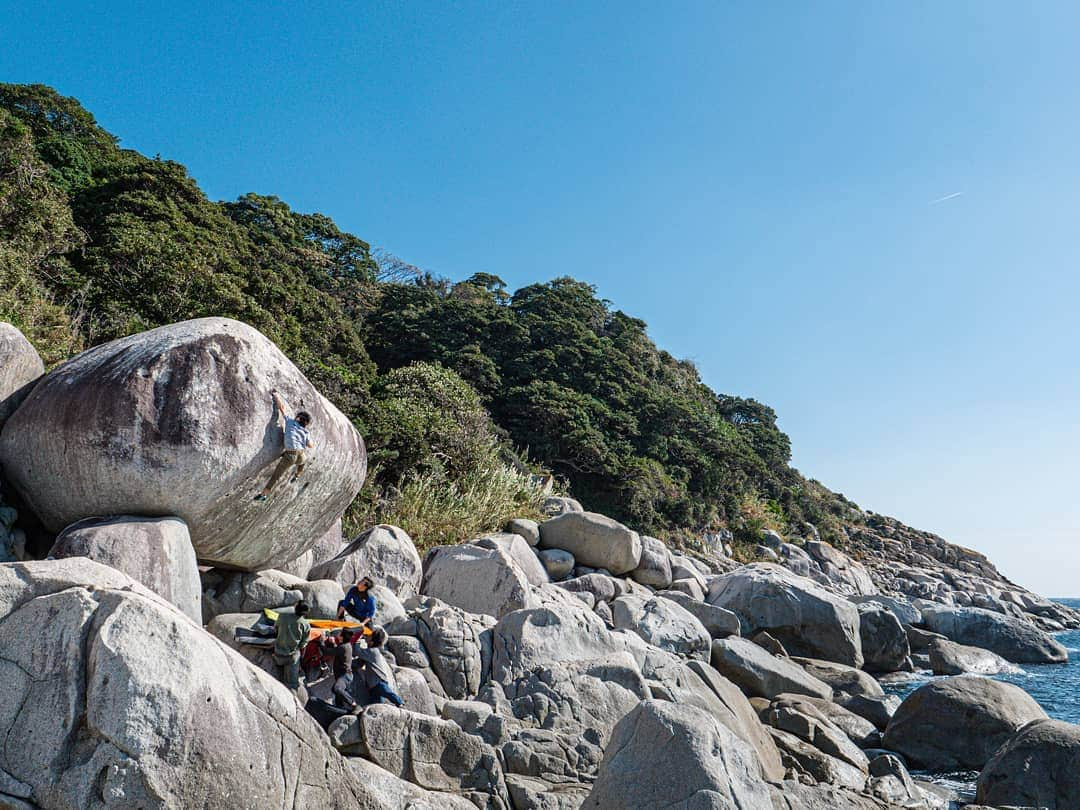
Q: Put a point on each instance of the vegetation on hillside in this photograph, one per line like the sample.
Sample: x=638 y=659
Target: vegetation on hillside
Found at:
x=460 y=389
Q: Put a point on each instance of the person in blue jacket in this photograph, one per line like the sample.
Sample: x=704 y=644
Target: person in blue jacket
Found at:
x=359 y=602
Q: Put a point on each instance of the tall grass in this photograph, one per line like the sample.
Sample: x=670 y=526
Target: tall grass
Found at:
x=436 y=511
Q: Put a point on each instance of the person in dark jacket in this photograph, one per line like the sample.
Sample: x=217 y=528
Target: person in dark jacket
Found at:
x=359 y=602
x=378 y=677
x=341 y=662
x=292 y=635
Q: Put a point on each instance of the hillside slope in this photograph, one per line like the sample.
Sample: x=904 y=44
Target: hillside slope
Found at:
x=447 y=381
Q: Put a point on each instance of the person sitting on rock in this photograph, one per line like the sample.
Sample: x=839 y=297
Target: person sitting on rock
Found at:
x=359 y=602
x=292 y=633
x=297 y=441
x=378 y=677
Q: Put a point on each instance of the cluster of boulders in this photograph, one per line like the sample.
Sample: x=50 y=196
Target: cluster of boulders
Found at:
x=562 y=663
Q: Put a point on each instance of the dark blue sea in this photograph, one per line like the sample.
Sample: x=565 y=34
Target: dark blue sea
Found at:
x=1056 y=687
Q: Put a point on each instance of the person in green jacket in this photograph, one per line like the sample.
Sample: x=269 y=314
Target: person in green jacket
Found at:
x=292 y=634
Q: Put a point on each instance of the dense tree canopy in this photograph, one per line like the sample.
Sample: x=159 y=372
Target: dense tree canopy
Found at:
x=445 y=379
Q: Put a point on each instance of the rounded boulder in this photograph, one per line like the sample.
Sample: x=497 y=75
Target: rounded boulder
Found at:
x=1035 y=768
x=20 y=367
x=959 y=722
x=180 y=421
x=594 y=540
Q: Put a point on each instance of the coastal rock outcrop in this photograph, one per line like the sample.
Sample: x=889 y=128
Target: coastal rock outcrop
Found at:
x=758 y=672
x=20 y=368
x=385 y=553
x=884 y=642
x=1013 y=639
x=1036 y=767
x=803 y=616
x=663 y=624
x=950 y=658
x=664 y=755
x=156 y=552
x=119 y=678
x=179 y=421
x=594 y=540
x=959 y=722
x=477 y=580
x=432 y=753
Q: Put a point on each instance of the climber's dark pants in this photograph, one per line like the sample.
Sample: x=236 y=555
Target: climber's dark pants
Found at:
x=289 y=459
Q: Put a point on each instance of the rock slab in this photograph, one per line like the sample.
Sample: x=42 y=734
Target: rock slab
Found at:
x=156 y=552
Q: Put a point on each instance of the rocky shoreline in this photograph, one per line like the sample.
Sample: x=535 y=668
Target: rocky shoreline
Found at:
x=568 y=663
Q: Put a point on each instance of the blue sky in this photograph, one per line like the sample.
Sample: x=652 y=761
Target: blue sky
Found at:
x=762 y=183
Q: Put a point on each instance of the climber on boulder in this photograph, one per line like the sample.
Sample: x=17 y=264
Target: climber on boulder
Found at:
x=297 y=442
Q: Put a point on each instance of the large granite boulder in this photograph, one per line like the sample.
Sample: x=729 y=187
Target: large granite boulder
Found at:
x=662 y=623
x=803 y=616
x=1036 y=767
x=654 y=569
x=430 y=752
x=811 y=762
x=1013 y=639
x=733 y=709
x=594 y=540
x=180 y=421
x=239 y=592
x=900 y=607
x=397 y=794
x=385 y=553
x=959 y=722
x=718 y=621
x=118 y=699
x=326 y=548
x=760 y=674
x=20 y=368
x=519 y=550
x=663 y=755
x=884 y=642
x=843 y=679
x=526 y=640
x=154 y=551
x=808 y=723
x=477 y=579
x=950 y=658
x=458 y=645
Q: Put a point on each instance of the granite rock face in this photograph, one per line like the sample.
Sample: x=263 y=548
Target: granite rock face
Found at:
x=20 y=368
x=594 y=540
x=803 y=616
x=1036 y=767
x=884 y=642
x=663 y=624
x=477 y=579
x=120 y=678
x=179 y=421
x=959 y=722
x=1012 y=638
x=385 y=553
x=949 y=658
x=156 y=552
x=759 y=673
x=663 y=755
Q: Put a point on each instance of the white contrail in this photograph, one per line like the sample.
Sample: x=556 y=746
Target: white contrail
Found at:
x=946 y=197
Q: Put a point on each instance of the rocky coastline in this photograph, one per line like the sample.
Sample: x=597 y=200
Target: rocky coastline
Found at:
x=556 y=664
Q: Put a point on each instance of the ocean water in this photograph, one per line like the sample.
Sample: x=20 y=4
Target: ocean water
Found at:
x=1056 y=687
